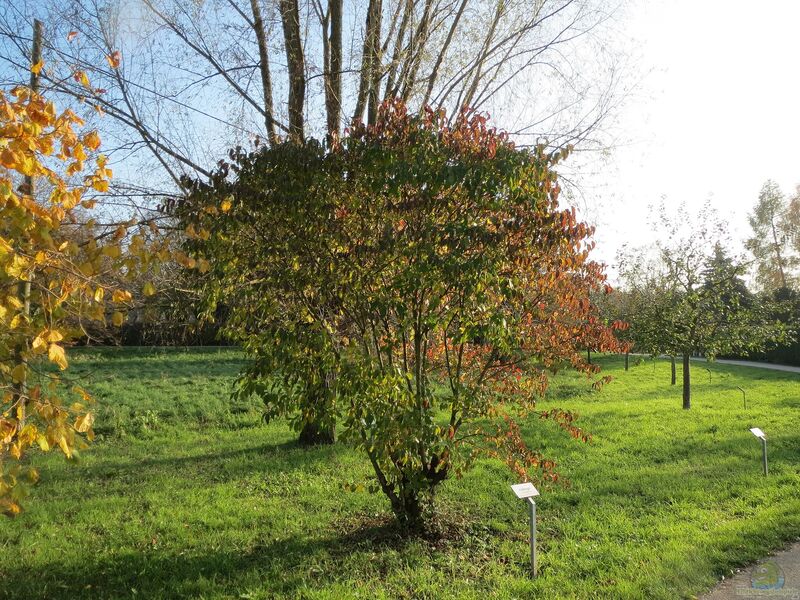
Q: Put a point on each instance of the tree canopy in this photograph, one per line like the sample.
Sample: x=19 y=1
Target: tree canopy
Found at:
x=425 y=268
x=775 y=242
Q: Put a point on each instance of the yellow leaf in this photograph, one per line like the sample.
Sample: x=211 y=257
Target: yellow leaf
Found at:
x=9 y=507
x=35 y=69
x=19 y=373
x=226 y=204
x=121 y=296
x=7 y=431
x=62 y=442
x=54 y=336
x=98 y=294
x=28 y=435
x=16 y=450
x=82 y=78
x=83 y=393
x=19 y=264
x=91 y=140
x=117 y=319
x=39 y=345
x=112 y=251
x=57 y=355
x=84 y=422
x=32 y=476
x=79 y=153
x=148 y=289
x=42 y=441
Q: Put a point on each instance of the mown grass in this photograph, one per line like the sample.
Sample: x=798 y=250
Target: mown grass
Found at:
x=188 y=495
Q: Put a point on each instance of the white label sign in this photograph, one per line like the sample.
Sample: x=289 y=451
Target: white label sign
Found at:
x=758 y=433
x=525 y=490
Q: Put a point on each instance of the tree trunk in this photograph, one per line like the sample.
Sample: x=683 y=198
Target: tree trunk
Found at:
x=409 y=511
x=371 y=41
x=435 y=71
x=266 y=77
x=687 y=389
x=408 y=75
x=626 y=361
x=777 y=246
x=391 y=71
x=674 y=377
x=316 y=434
x=20 y=390
x=589 y=355
x=290 y=17
x=376 y=68
x=333 y=78
x=482 y=56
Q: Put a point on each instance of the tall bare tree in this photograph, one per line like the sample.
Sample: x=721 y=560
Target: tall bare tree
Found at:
x=196 y=78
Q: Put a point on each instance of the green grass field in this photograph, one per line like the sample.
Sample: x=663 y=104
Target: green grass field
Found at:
x=188 y=495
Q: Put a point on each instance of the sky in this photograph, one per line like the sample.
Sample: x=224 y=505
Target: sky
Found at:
x=716 y=113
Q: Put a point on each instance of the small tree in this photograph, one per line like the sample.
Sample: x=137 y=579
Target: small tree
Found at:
x=693 y=300
x=54 y=282
x=417 y=255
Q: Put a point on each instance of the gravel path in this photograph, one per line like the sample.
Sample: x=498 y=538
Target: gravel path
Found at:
x=758 y=365
x=777 y=576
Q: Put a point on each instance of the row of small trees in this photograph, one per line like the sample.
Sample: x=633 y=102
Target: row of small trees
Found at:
x=687 y=297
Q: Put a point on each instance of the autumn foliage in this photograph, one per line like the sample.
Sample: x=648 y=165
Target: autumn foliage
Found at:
x=426 y=277
x=56 y=276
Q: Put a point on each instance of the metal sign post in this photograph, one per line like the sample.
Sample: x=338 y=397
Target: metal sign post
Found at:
x=763 y=437
x=526 y=491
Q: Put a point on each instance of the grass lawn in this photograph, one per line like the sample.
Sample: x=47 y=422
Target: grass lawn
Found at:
x=188 y=495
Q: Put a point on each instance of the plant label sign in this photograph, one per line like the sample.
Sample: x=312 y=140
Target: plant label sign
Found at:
x=525 y=490
x=758 y=433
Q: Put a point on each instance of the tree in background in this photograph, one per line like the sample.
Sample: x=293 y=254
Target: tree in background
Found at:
x=775 y=243
x=694 y=301
x=792 y=217
x=638 y=303
x=423 y=254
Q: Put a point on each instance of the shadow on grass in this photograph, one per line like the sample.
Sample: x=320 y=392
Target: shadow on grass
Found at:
x=149 y=367
x=278 y=568
x=281 y=457
x=364 y=547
